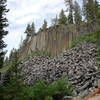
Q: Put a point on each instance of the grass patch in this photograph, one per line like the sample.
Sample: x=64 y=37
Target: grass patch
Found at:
x=91 y=37
x=40 y=53
x=35 y=53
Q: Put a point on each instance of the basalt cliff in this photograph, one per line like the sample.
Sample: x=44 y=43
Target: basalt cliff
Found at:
x=56 y=39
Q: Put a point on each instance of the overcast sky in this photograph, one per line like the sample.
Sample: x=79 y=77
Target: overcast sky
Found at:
x=23 y=12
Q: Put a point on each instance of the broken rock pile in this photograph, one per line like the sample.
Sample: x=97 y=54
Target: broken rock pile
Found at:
x=78 y=64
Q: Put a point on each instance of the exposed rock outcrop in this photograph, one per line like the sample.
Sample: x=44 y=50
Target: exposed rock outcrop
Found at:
x=56 y=39
x=78 y=64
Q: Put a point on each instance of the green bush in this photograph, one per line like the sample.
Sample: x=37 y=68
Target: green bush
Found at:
x=2 y=91
x=40 y=90
x=48 y=98
x=60 y=88
x=54 y=91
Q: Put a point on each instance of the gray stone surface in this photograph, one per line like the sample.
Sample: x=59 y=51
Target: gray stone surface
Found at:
x=78 y=64
x=56 y=39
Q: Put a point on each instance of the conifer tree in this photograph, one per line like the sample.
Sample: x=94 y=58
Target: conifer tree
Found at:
x=3 y=32
x=13 y=80
x=77 y=13
x=62 y=18
x=69 y=4
x=90 y=10
x=6 y=61
x=33 y=28
x=97 y=9
x=55 y=21
x=44 y=26
x=84 y=9
x=70 y=18
x=28 y=30
x=11 y=56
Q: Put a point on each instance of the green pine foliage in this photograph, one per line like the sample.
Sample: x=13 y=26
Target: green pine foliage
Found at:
x=62 y=18
x=44 y=26
x=33 y=28
x=69 y=4
x=55 y=21
x=70 y=18
x=54 y=91
x=13 y=86
x=91 y=10
x=77 y=13
x=41 y=90
x=3 y=32
x=98 y=11
x=60 y=88
x=30 y=29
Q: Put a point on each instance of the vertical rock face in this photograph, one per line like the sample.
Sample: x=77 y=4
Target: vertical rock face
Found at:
x=56 y=39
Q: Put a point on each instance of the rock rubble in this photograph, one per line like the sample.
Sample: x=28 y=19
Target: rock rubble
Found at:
x=78 y=64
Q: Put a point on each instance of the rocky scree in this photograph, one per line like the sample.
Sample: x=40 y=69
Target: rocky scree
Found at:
x=78 y=64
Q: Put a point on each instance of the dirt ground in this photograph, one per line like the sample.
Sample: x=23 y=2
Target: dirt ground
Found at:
x=95 y=95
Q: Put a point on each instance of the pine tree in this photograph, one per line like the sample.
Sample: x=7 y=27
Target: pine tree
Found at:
x=97 y=9
x=11 y=56
x=3 y=24
x=44 y=26
x=13 y=80
x=62 y=18
x=70 y=18
x=84 y=9
x=90 y=10
x=70 y=5
x=28 y=30
x=77 y=13
x=6 y=61
x=55 y=21
x=33 y=28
